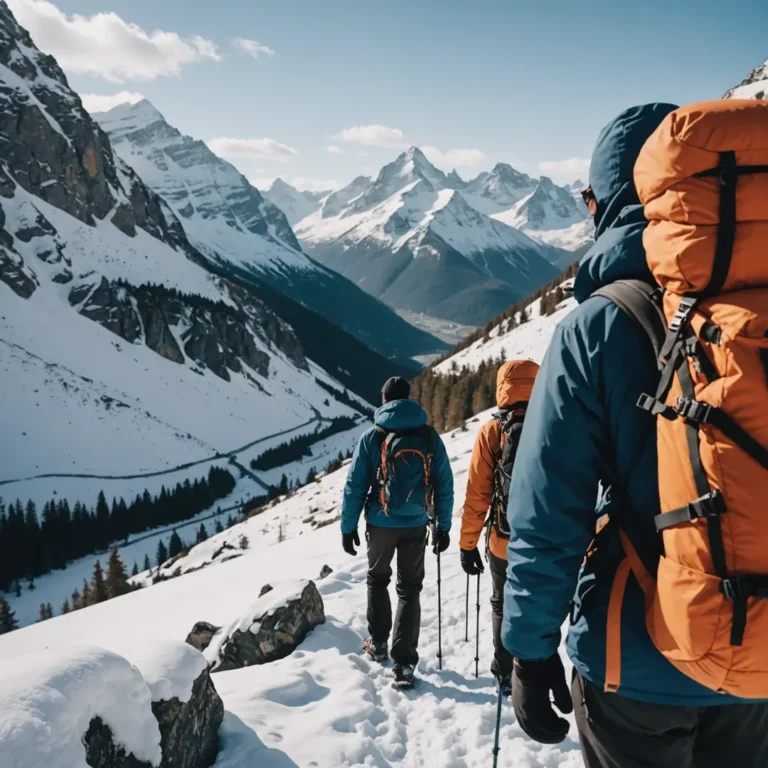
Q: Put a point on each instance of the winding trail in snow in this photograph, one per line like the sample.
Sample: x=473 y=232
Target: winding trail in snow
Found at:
x=317 y=419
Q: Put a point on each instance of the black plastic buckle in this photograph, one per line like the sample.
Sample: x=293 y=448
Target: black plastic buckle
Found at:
x=733 y=589
x=693 y=410
x=711 y=505
x=646 y=402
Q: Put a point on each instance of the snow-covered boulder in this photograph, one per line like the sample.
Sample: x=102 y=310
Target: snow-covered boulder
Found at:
x=325 y=572
x=49 y=701
x=201 y=635
x=270 y=629
x=85 y=706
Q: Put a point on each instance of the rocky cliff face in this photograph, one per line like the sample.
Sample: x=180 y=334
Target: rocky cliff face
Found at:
x=54 y=160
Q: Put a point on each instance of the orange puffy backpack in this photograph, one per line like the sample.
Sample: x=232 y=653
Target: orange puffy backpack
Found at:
x=703 y=180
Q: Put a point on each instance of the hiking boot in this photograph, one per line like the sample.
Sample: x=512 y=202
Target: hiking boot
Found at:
x=403 y=676
x=505 y=684
x=375 y=651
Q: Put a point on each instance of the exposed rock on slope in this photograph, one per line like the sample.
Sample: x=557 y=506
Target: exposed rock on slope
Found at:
x=269 y=630
x=753 y=86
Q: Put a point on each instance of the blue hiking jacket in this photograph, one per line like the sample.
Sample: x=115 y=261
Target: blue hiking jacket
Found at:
x=581 y=428
x=393 y=416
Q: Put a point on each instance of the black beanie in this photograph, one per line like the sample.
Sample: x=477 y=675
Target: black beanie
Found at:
x=396 y=388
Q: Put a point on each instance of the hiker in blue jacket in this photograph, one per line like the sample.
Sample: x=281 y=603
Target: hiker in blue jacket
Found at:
x=397 y=516
x=583 y=434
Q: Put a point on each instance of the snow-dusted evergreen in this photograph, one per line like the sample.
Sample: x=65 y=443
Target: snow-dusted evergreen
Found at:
x=416 y=243
x=242 y=233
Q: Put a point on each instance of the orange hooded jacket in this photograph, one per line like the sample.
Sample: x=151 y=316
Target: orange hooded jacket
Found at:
x=514 y=384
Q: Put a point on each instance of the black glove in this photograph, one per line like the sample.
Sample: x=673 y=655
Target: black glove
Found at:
x=472 y=562
x=349 y=541
x=441 y=540
x=532 y=682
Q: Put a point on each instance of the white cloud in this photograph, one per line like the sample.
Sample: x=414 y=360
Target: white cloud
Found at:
x=254 y=149
x=570 y=169
x=252 y=48
x=105 y=45
x=373 y=136
x=314 y=185
x=101 y=102
x=468 y=158
x=332 y=149
x=263 y=183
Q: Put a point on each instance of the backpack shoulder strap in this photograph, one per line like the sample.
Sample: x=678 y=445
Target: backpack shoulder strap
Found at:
x=636 y=299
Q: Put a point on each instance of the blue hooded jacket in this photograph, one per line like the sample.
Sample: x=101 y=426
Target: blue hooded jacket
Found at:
x=393 y=416
x=582 y=427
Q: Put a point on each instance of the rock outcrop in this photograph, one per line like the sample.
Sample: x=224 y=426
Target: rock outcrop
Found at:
x=201 y=635
x=189 y=730
x=270 y=630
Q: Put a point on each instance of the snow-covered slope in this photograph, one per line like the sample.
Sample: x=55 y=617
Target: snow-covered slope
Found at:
x=753 y=86
x=242 y=233
x=294 y=203
x=528 y=340
x=417 y=244
x=324 y=705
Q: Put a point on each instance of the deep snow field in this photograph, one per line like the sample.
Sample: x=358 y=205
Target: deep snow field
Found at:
x=325 y=705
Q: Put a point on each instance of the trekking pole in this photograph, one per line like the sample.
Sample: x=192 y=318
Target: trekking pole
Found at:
x=477 y=631
x=466 y=615
x=439 y=617
x=498 y=726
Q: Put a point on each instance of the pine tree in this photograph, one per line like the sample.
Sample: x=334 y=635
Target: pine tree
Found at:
x=65 y=607
x=76 y=601
x=98 y=585
x=43 y=613
x=202 y=533
x=162 y=553
x=49 y=611
x=219 y=527
x=175 y=545
x=17 y=588
x=86 y=598
x=7 y=617
x=283 y=484
x=147 y=564
x=135 y=569
x=117 y=580
x=31 y=584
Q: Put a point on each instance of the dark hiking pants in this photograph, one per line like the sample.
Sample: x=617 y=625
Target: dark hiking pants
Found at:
x=409 y=544
x=502 y=660
x=617 y=732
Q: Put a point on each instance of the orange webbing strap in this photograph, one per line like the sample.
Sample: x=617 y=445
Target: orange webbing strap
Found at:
x=613 y=628
x=644 y=579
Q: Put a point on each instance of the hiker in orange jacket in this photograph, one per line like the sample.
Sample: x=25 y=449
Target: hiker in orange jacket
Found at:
x=487 y=490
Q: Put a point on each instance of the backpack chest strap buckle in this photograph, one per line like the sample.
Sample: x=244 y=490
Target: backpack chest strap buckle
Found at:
x=693 y=410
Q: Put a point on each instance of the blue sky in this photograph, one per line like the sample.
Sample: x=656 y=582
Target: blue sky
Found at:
x=319 y=91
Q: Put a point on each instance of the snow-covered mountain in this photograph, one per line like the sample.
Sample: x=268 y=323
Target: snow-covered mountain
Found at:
x=414 y=242
x=295 y=204
x=121 y=352
x=543 y=210
x=753 y=86
x=244 y=234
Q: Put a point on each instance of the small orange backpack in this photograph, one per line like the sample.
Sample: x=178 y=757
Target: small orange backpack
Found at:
x=703 y=180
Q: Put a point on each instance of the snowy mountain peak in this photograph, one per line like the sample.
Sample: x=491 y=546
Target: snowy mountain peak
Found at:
x=753 y=86
x=139 y=114
x=548 y=207
x=578 y=185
